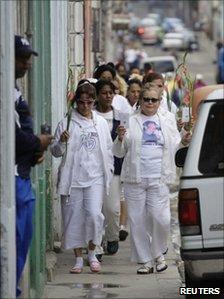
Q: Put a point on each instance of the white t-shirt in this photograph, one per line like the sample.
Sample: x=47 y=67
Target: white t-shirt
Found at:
x=88 y=157
x=108 y=116
x=152 y=147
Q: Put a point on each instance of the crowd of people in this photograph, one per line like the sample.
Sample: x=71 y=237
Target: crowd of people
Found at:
x=119 y=160
x=117 y=165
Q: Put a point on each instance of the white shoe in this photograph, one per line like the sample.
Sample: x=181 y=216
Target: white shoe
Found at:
x=161 y=264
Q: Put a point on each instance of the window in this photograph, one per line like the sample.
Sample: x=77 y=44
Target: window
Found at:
x=163 y=66
x=211 y=161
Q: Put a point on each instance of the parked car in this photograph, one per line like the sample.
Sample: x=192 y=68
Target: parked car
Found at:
x=155 y=16
x=191 y=39
x=174 y=40
x=149 y=31
x=162 y=64
x=171 y=24
x=201 y=195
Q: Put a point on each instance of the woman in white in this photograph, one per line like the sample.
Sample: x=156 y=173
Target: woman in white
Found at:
x=148 y=170
x=133 y=93
x=107 y=72
x=84 y=176
x=156 y=80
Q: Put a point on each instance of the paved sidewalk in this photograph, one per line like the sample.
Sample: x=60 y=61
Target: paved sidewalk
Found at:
x=118 y=278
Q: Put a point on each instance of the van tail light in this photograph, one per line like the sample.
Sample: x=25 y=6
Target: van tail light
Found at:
x=189 y=212
x=141 y=30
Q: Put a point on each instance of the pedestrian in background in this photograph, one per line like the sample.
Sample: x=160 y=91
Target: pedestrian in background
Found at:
x=220 y=63
x=29 y=152
x=111 y=206
x=156 y=80
x=133 y=92
x=107 y=72
x=199 y=81
x=148 y=147
x=84 y=175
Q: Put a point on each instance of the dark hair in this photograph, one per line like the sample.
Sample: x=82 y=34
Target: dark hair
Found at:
x=133 y=68
x=134 y=81
x=85 y=87
x=118 y=65
x=101 y=83
x=83 y=81
x=103 y=68
x=147 y=66
x=151 y=77
x=111 y=64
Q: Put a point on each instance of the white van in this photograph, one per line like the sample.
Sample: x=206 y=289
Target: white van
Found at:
x=162 y=64
x=201 y=196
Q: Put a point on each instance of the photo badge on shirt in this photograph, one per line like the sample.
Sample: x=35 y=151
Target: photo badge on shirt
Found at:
x=152 y=134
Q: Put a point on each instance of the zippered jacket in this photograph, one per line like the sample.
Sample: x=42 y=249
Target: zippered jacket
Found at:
x=26 y=143
x=67 y=166
x=130 y=148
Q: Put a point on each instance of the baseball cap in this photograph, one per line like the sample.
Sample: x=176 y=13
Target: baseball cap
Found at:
x=22 y=46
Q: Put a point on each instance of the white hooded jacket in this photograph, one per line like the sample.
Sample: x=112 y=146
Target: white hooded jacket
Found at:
x=67 y=166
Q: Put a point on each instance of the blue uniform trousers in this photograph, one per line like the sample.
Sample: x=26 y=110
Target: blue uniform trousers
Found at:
x=25 y=202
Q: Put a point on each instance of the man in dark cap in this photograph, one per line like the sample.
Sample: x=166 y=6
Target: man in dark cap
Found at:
x=29 y=152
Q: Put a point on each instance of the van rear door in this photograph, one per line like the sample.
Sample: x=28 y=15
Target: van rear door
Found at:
x=211 y=184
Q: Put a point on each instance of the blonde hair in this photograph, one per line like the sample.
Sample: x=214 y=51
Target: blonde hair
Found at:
x=136 y=76
x=122 y=85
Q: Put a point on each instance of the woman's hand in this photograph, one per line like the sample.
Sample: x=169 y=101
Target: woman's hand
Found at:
x=40 y=159
x=186 y=138
x=180 y=124
x=64 y=136
x=121 y=132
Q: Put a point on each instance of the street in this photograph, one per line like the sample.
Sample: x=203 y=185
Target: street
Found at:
x=118 y=279
x=198 y=61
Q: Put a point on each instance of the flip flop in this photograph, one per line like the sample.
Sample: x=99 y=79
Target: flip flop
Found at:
x=95 y=266
x=75 y=270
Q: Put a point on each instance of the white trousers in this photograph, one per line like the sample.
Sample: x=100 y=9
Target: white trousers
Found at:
x=111 y=210
x=149 y=218
x=82 y=216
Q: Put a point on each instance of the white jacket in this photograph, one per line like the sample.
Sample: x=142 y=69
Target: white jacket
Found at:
x=67 y=166
x=130 y=148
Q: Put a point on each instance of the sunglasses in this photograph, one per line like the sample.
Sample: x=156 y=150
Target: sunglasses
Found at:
x=150 y=100
x=85 y=102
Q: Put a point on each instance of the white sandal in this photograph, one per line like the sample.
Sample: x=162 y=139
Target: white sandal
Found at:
x=145 y=270
x=161 y=264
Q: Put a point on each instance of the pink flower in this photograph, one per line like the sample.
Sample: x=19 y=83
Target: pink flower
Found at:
x=186 y=99
x=70 y=96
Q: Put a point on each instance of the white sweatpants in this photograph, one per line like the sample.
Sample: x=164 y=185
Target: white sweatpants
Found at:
x=149 y=218
x=111 y=210
x=82 y=216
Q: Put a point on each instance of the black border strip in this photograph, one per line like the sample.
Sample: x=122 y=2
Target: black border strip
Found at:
x=195 y=177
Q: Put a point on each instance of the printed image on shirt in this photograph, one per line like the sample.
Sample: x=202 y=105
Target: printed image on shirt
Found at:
x=152 y=134
x=88 y=141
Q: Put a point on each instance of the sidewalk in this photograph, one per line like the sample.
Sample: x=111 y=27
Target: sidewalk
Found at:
x=118 y=278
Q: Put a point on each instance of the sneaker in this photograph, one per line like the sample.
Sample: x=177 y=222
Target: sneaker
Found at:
x=112 y=247
x=123 y=235
x=161 y=264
